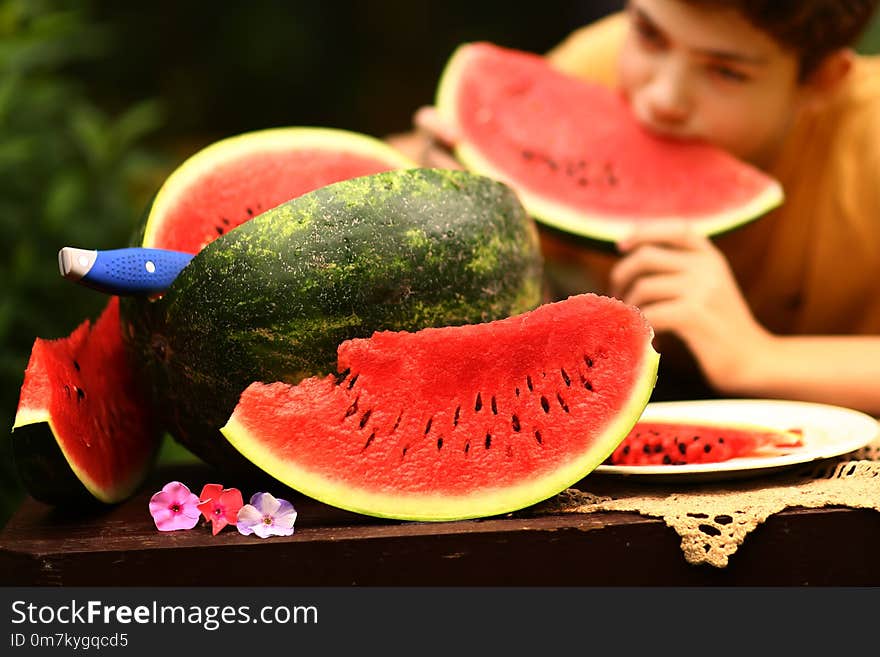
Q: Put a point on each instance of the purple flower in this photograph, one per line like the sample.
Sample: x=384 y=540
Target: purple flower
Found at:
x=266 y=516
x=174 y=507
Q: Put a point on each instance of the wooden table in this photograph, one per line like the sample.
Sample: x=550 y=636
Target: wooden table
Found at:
x=120 y=546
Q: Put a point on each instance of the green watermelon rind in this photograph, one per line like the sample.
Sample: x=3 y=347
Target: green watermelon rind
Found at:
x=47 y=466
x=271 y=139
x=441 y=508
x=594 y=225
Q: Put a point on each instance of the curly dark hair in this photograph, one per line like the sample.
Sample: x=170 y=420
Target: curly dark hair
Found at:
x=810 y=28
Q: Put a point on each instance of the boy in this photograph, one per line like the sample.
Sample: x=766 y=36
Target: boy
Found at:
x=787 y=306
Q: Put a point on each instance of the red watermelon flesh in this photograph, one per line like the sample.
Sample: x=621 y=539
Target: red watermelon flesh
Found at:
x=457 y=422
x=578 y=157
x=676 y=443
x=236 y=179
x=81 y=404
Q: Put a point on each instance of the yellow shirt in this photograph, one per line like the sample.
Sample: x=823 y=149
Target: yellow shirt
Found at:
x=812 y=266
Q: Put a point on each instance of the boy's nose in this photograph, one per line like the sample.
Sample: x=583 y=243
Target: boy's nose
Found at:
x=667 y=103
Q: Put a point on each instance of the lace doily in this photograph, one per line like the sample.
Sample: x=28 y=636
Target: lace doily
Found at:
x=713 y=521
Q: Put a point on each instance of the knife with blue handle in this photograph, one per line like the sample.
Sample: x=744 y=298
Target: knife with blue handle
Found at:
x=123 y=271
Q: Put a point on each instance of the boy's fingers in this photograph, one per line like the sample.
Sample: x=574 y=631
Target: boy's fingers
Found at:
x=653 y=289
x=674 y=233
x=650 y=259
x=428 y=119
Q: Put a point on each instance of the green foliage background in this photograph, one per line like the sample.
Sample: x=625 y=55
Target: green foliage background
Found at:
x=99 y=101
x=70 y=174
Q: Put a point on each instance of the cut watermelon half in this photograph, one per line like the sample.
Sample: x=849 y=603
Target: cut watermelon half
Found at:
x=235 y=179
x=577 y=156
x=83 y=422
x=457 y=422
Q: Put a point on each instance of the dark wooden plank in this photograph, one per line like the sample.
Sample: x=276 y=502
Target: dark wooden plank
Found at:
x=120 y=546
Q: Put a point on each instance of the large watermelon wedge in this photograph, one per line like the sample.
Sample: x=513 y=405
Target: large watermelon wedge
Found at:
x=576 y=155
x=83 y=426
x=457 y=422
x=273 y=299
x=233 y=180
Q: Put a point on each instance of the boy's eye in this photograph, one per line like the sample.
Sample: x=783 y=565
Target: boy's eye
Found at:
x=727 y=73
x=648 y=34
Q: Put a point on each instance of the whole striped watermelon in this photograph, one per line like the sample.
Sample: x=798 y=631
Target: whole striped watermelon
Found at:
x=272 y=299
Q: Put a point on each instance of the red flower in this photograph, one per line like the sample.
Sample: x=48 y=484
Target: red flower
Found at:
x=220 y=505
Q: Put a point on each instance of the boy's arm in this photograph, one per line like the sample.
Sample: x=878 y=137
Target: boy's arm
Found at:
x=684 y=285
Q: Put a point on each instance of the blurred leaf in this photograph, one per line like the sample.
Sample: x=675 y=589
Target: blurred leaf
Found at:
x=71 y=173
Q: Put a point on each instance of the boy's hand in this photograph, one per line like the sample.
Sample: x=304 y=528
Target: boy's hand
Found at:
x=684 y=285
x=439 y=139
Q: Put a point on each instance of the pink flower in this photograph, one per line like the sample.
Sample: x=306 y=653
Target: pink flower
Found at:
x=266 y=516
x=174 y=507
x=220 y=505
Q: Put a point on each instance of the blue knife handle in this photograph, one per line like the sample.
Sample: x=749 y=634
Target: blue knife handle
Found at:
x=135 y=270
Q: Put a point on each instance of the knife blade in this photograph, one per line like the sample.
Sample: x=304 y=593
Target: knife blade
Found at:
x=130 y=271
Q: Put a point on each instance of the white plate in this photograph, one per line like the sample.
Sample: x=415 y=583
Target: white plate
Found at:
x=828 y=431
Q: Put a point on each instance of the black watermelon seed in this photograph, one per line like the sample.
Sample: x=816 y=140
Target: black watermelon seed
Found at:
x=67 y=390
x=75 y=365
x=467 y=447
x=646 y=448
x=538 y=437
x=370 y=440
x=494 y=406
x=405 y=449
x=588 y=385
x=565 y=377
x=562 y=402
x=588 y=361
x=488 y=441
x=667 y=460
x=457 y=415
x=625 y=450
x=353 y=408
x=225 y=221
x=682 y=448
x=440 y=443
x=219 y=229
x=80 y=393
x=353 y=381
x=365 y=418
x=707 y=448
x=250 y=212
x=545 y=404
x=529 y=383
x=397 y=422
x=478 y=404
x=428 y=426
x=514 y=421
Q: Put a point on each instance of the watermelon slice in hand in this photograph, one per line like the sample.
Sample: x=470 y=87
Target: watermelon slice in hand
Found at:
x=457 y=422
x=83 y=428
x=577 y=156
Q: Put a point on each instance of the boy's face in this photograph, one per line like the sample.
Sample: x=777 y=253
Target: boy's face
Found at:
x=707 y=73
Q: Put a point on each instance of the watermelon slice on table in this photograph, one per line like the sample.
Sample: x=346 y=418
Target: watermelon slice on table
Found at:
x=235 y=179
x=83 y=425
x=577 y=156
x=680 y=443
x=457 y=422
